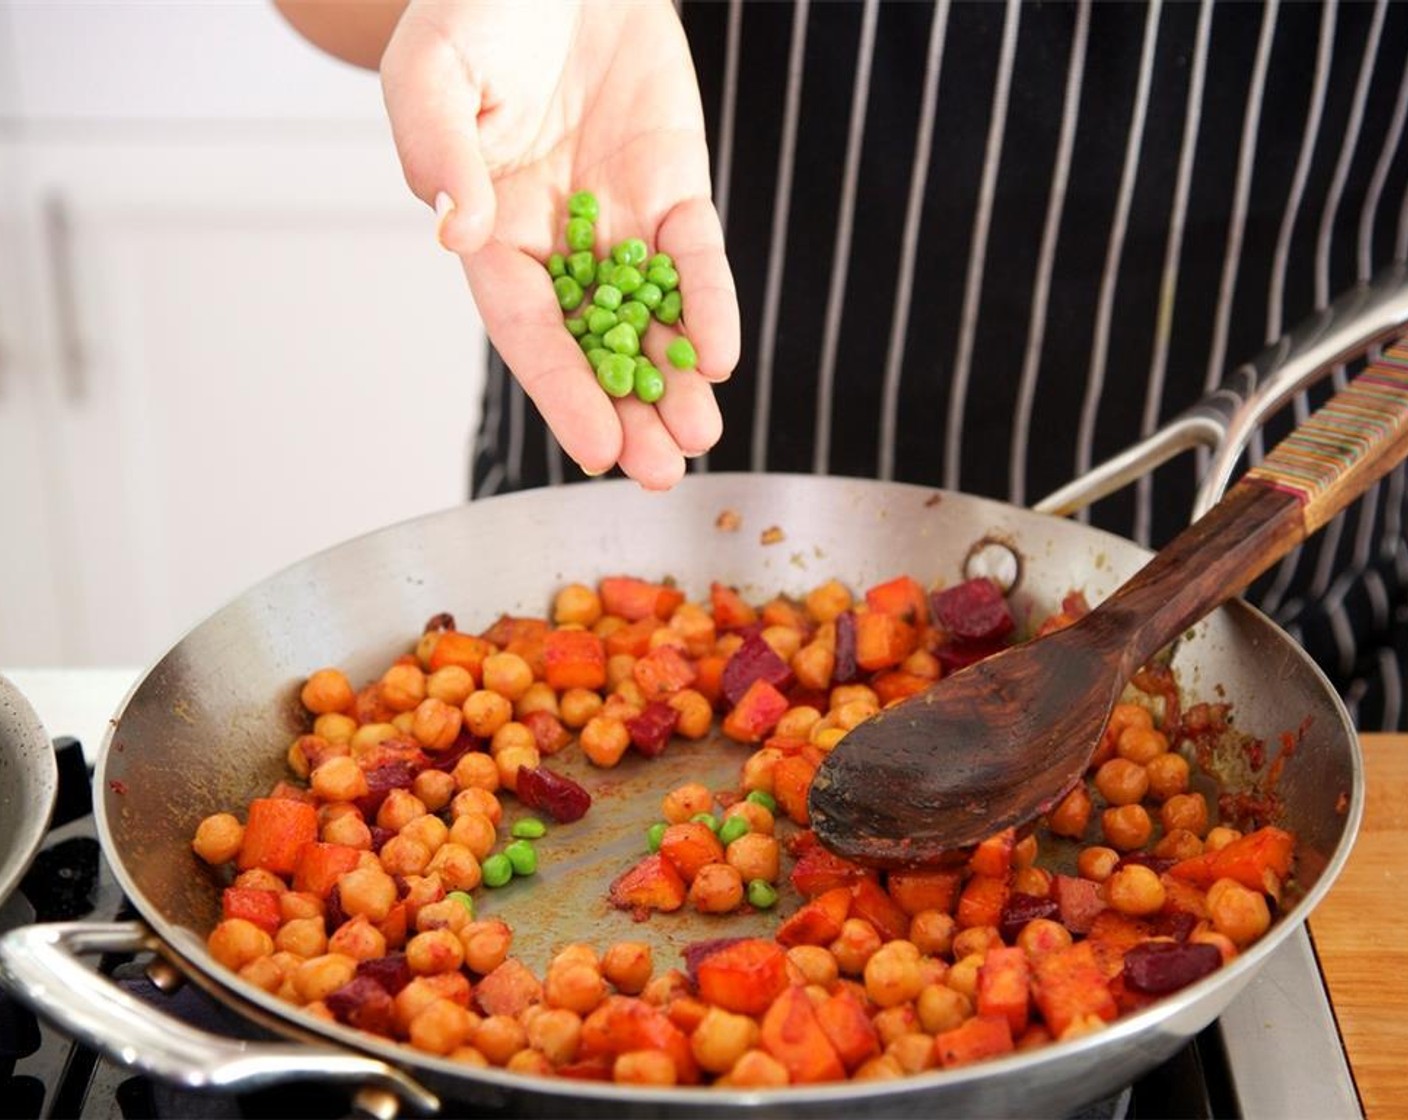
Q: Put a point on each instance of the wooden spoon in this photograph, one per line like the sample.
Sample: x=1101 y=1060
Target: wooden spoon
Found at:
x=1000 y=742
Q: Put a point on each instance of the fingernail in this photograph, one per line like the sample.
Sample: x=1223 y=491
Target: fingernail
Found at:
x=444 y=207
x=592 y=474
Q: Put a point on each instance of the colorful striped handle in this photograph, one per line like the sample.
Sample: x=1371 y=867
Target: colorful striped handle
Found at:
x=1348 y=445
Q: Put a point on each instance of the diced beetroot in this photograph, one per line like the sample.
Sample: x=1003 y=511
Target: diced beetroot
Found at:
x=753 y=660
x=548 y=732
x=651 y=730
x=959 y=655
x=972 y=611
x=380 y=836
x=1177 y=924
x=1079 y=901
x=446 y=760
x=1157 y=967
x=561 y=798
x=846 y=668
x=696 y=951
x=391 y=971
x=333 y=914
x=363 y=1003
x=381 y=780
x=1021 y=909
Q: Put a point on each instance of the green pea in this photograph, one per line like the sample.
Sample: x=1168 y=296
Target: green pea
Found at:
x=627 y=278
x=596 y=355
x=761 y=894
x=591 y=341
x=529 y=828
x=670 y=309
x=634 y=313
x=650 y=383
x=623 y=339
x=463 y=899
x=497 y=870
x=523 y=858
x=607 y=296
x=631 y=251
x=664 y=275
x=582 y=268
x=655 y=834
x=648 y=294
x=569 y=293
x=616 y=373
x=660 y=260
x=600 y=320
x=576 y=326
x=580 y=234
x=681 y=353
x=557 y=266
x=605 y=270
x=764 y=798
x=582 y=204
x=732 y=829
x=708 y=819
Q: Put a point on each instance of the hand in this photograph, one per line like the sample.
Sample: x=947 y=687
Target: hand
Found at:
x=500 y=109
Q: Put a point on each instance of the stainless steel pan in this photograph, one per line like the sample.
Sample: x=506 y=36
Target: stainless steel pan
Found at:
x=28 y=785
x=205 y=730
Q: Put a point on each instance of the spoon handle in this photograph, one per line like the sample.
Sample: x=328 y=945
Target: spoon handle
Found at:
x=1327 y=462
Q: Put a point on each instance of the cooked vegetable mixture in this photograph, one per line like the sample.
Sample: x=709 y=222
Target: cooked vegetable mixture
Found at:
x=352 y=885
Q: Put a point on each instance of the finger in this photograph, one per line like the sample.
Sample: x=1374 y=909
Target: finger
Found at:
x=649 y=454
x=692 y=235
x=433 y=104
x=687 y=408
x=523 y=319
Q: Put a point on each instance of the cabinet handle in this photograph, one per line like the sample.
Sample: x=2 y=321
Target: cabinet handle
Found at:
x=73 y=353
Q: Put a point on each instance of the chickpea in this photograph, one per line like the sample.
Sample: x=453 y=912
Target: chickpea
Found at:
x=499 y=1038
x=299 y=904
x=339 y=779
x=513 y=759
x=1071 y=816
x=450 y=684
x=1041 y=936
x=1185 y=810
x=457 y=866
x=259 y=879
x=336 y=728
x=508 y=674
x=435 y=950
x=755 y=855
x=758 y=768
x=1032 y=880
x=511 y=734
x=303 y=936
x=759 y=817
x=436 y=725
x=404 y=722
x=404 y=855
x=1135 y=890
x=716 y=889
x=891 y=1023
x=327 y=690
x=696 y=714
x=683 y=802
x=604 y=741
x=814 y=964
x=441 y=1027
x=1122 y=782
x=434 y=788
x=620 y=668
x=576 y=985
x=358 y=939
x=235 y=942
x=813 y=665
x=824 y=737
x=856 y=944
x=1168 y=775
x=577 y=604
x=1238 y=913
x=1219 y=837
x=421 y=992
x=486 y=944
x=556 y=1033
x=350 y=830
x=1141 y=745
x=579 y=706
x=797 y=722
x=644 y=1067
x=485 y=711
x=1025 y=851
x=628 y=965
x=448 y=913
x=370 y=736
x=844 y=694
x=756 y=1069
x=265 y=973
x=892 y=974
x=399 y=809
x=1178 y=844
x=539 y=697
x=975 y=940
x=1127 y=827
x=914 y=1052
x=1096 y=863
x=827 y=601
x=1221 y=942
x=932 y=932
x=850 y=714
x=721 y=1038
x=218 y=838
x=963 y=976
x=403 y=687
x=319 y=977
x=367 y=890
x=476 y=770
x=785 y=641
x=475 y=832
x=476 y=800
x=625 y=703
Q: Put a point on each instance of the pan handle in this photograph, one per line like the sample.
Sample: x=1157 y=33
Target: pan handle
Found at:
x=40 y=965
x=1226 y=418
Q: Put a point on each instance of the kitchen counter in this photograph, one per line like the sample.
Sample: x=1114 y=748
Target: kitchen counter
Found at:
x=1358 y=932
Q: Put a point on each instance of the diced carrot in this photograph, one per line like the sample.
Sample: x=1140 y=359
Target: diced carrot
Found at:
x=662 y=671
x=744 y=976
x=620 y=1024
x=818 y=870
x=994 y=855
x=1069 y=987
x=369 y=707
x=633 y=638
x=652 y=884
x=393 y=927
x=1111 y=935
x=632 y=599
x=523 y=636
x=468 y=651
x=1183 y=898
x=690 y=845
x=973 y=1040
x=982 y=901
x=574 y=659
x=782 y=611
x=817 y=922
x=1247 y=859
x=755 y=714
x=709 y=677
x=870 y=901
x=914 y=891
x=882 y=640
x=731 y=612
x=848 y=1028
x=1004 y=986
x=509 y=989
x=791 y=1034
x=897 y=684
x=253 y=905
x=901 y=597
x=275 y=830
x=791 y=781
x=320 y=865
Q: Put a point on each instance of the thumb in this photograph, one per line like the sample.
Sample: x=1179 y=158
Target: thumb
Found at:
x=433 y=102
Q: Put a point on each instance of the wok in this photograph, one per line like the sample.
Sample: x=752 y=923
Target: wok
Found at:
x=28 y=785
x=206 y=728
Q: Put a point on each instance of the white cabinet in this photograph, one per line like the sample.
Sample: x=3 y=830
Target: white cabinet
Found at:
x=225 y=343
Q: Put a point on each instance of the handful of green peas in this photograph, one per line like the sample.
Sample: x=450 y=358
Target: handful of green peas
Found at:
x=610 y=301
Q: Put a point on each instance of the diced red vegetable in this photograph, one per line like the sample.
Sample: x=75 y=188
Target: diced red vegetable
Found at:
x=817 y=922
x=753 y=660
x=1157 y=967
x=1247 y=859
x=972 y=611
x=1023 y=908
x=1078 y=902
x=508 y=990
x=917 y=890
x=756 y=713
x=1071 y=988
x=690 y=845
x=365 y=1004
x=253 y=905
x=558 y=796
x=845 y=670
x=731 y=612
x=1004 y=986
x=843 y=1019
x=744 y=976
x=869 y=901
x=982 y=901
x=662 y=671
x=574 y=659
x=275 y=830
x=973 y=1040
x=652 y=884
x=633 y=599
x=320 y=865
x=902 y=597
x=791 y=1034
x=994 y=855
x=651 y=730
